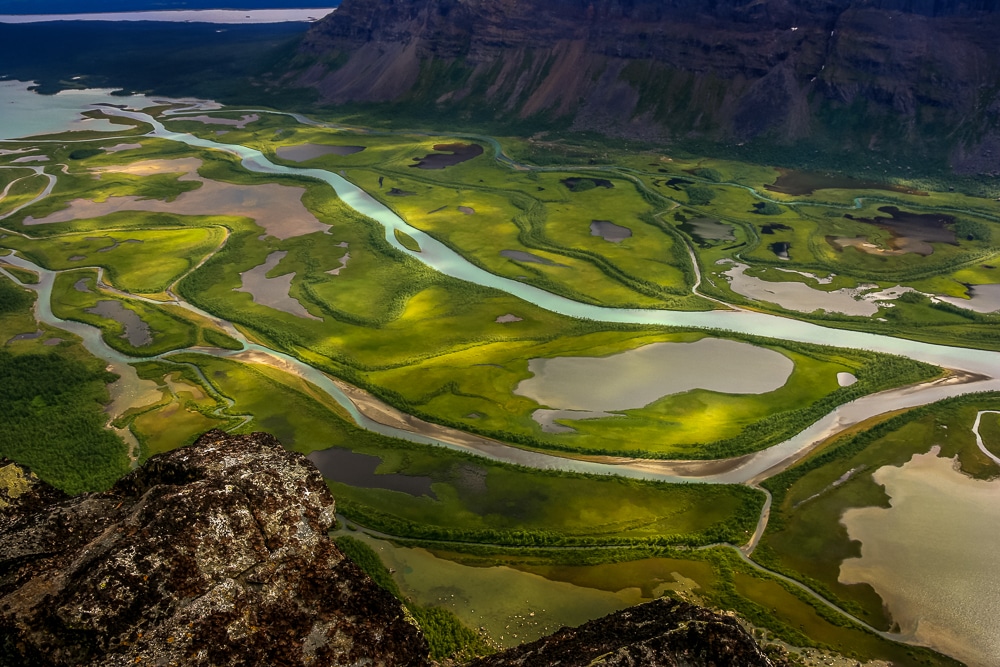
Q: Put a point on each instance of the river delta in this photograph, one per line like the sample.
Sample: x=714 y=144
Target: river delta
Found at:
x=623 y=350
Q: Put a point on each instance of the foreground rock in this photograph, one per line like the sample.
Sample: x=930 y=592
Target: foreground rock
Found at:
x=218 y=554
x=663 y=633
x=215 y=554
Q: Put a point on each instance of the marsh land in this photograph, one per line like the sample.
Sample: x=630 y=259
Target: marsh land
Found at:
x=519 y=367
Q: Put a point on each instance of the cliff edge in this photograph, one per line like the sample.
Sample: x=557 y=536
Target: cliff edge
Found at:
x=218 y=554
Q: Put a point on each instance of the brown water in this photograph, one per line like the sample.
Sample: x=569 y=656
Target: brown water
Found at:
x=934 y=556
x=347 y=467
x=513 y=607
x=137 y=332
x=276 y=208
x=449 y=156
x=609 y=231
x=805 y=183
x=638 y=377
x=911 y=232
x=304 y=152
x=273 y=292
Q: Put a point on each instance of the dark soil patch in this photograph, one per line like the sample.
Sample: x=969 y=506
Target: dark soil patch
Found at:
x=449 y=156
x=806 y=183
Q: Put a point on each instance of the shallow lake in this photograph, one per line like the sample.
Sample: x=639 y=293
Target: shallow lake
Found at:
x=934 y=556
x=638 y=377
x=304 y=152
x=609 y=231
x=805 y=183
x=347 y=467
x=982 y=299
x=277 y=208
x=26 y=114
x=137 y=332
x=512 y=606
x=448 y=156
x=273 y=292
x=708 y=229
x=802 y=298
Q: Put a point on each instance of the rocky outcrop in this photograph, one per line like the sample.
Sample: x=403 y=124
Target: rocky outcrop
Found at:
x=663 y=633
x=215 y=554
x=863 y=74
x=218 y=554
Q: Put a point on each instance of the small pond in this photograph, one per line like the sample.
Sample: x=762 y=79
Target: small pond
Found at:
x=304 y=152
x=982 y=299
x=636 y=378
x=137 y=332
x=708 y=229
x=448 y=156
x=522 y=256
x=347 y=467
x=609 y=231
x=863 y=301
x=272 y=292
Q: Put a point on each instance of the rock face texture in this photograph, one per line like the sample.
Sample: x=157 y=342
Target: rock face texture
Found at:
x=215 y=554
x=218 y=554
x=663 y=633
x=863 y=74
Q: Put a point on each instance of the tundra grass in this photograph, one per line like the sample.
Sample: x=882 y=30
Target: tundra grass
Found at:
x=21 y=193
x=989 y=430
x=137 y=261
x=25 y=276
x=475 y=389
x=75 y=292
x=805 y=537
x=53 y=396
x=187 y=410
x=475 y=499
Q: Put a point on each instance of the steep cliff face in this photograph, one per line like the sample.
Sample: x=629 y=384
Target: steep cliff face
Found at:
x=859 y=71
x=218 y=554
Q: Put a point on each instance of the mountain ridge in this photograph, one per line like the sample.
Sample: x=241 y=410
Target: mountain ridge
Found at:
x=860 y=75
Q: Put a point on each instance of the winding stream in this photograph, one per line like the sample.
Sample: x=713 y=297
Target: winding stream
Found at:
x=979 y=370
x=439 y=257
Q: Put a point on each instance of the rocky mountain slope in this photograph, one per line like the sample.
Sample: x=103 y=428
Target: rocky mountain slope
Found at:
x=218 y=554
x=851 y=74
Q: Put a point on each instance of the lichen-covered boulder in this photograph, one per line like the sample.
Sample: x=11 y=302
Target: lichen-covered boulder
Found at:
x=214 y=554
x=662 y=633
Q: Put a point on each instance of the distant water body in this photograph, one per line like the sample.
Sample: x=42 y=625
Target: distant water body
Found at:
x=229 y=16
